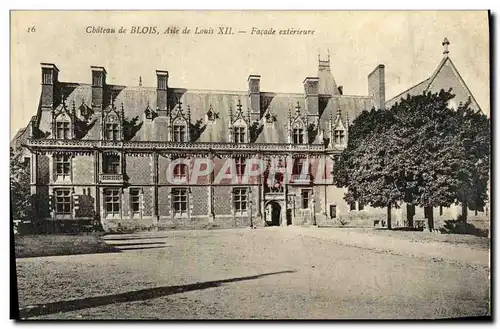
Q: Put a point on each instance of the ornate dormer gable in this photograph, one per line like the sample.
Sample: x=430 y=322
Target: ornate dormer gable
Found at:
x=298 y=126
x=112 y=122
x=338 y=130
x=149 y=113
x=269 y=118
x=239 y=124
x=179 y=122
x=63 y=120
x=211 y=116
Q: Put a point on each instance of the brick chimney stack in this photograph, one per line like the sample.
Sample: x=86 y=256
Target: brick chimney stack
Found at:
x=162 y=92
x=50 y=74
x=376 y=86
x=98 y=86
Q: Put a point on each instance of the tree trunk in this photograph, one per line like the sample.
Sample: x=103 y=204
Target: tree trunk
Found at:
x=410 y=212
x=430 y=217
x=389 y=223
x=463 y=218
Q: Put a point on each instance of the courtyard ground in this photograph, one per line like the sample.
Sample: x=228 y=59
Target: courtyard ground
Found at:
x=268 y=273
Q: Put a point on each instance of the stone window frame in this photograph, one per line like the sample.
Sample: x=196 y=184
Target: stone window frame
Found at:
x=183 y=193
x=106 y=157
x=298 y=135
x=115 y=193
x=240 y=192
x=57 y=162
x=69 y=202
x=303 y=200
x=139 y=196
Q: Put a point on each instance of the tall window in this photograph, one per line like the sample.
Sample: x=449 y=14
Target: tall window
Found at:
x=180 y=170
x=298 y=164
x=240 y=200
x=111 y=164
x=240 y=163
x=305 y=198
x=112 y=131
x=239 y=134
x=135 y=201
x=333 y=211
x=180 y=201
x=63 y=130
x=179 y=133
x=63 y=165
x=298 y=136
x=62 y=201
x=112 y=201
x=339 y=136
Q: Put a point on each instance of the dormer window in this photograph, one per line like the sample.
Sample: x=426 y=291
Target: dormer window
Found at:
x=179 y=133
x=63 y=130
x=112 y=131
x=298 y=136
x=239 y=134
x=339 y=136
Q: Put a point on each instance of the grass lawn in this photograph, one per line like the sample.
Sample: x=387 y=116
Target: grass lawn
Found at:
x=56 y=245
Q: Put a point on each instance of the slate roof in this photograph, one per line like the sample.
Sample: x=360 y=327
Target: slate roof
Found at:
x=136 y=100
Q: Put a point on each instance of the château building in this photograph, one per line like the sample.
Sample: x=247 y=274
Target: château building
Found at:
x=103 y=151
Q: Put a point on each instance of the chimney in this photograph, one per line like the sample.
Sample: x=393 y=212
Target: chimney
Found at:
x=98 y=85
x=50 y=74
x=311 y=95
x=376 y=86
x=254 y=97
x=341 y=90
x=162 y=92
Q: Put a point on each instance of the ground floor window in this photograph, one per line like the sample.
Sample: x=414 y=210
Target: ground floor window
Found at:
x=180 y=201
x=305 y=196
x=62 y=201
x=352 y=206
x=112 y=201
x=135 y=201
x=333 y=211
x=361 y=206
x=240 y=200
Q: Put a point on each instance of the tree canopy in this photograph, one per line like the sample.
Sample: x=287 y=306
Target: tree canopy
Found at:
x=420 y=151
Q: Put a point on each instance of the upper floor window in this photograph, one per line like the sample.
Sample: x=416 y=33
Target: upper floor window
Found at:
x=63 y=165
x=298 y=164
x=112 y=131
x=240 y=163
x=63 y=130
x=180 y=170
x=111 y=164
x=298 y=136
x=339 y=136
x=239 y=134
x=179 y=134
x=62 y=201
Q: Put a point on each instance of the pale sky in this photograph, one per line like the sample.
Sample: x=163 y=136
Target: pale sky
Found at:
x=408 y=43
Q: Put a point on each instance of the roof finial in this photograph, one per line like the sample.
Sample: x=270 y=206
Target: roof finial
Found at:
x=319 y=56
x=140 y=81
x=297 y=108
x=445 y=44
x=328 y=52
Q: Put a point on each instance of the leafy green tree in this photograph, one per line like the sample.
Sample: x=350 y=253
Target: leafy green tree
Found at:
x=420 y=152
x=20 y=196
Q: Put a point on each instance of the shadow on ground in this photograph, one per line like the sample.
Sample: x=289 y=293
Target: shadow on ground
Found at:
x=131 y=296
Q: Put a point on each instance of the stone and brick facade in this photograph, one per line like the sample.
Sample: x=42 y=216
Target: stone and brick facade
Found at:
x=101 y=151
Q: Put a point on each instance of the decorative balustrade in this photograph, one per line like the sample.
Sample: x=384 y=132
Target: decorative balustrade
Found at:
x=301 y=179
x=111 y=178
x=153 y=145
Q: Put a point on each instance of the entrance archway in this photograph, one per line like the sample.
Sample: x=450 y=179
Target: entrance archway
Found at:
x=274 y=214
